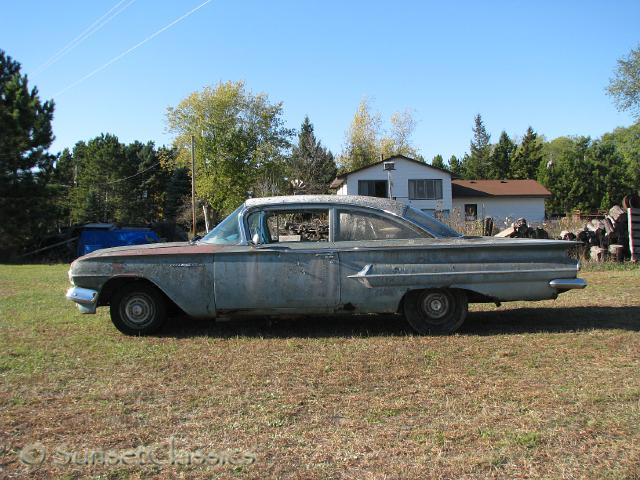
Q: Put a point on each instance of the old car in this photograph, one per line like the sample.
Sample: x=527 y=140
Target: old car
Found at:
x=321 y=254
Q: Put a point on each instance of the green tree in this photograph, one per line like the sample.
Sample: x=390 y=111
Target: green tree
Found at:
x=500 y=158
x=150 y=182
x=363 y=146
x=62 y=181
x=178 y=188
x=627 y=143
x=527 y=157
x=565 y=171
x=477 y=164
x=311 y=162
x=25 y=164
x=112 y=182
x=438 y=162
x=609 y=184
x=240 y=141
x=465 y=166
x=100 y=165
x=624 y=87
x=455 y=166
x=584 y=174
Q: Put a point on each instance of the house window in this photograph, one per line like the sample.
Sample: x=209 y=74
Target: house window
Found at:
x=425 y=189
x=470 y=211
x=373 y=188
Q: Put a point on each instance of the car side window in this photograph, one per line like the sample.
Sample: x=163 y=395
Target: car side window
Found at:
x=356 y=225
x=284 y=226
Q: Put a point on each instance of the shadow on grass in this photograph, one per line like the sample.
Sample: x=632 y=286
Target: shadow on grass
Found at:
x=551 y=320
x=498 y=322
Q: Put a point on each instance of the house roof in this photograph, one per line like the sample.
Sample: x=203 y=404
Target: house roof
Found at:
x=498 y=188
x=339 y=180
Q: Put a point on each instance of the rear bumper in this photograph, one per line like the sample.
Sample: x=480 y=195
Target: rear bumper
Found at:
x=568 y=283
x=86 y=299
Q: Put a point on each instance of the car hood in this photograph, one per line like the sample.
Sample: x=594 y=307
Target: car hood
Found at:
x=170 y=248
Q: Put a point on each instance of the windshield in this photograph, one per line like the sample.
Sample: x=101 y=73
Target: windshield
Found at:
x=226 y=232
x=430 y=224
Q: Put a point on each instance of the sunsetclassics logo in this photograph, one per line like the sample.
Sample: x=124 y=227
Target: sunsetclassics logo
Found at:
x=36 y=454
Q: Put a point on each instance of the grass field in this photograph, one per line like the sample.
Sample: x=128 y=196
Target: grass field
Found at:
x=548 y=389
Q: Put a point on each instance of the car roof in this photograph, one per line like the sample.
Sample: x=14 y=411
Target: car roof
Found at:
x=385 y=204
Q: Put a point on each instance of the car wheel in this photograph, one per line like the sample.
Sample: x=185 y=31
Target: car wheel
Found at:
x=437 y=311
x=138 y=310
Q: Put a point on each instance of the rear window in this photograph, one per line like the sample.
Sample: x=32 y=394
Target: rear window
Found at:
x=430 y=224
x=354 y=225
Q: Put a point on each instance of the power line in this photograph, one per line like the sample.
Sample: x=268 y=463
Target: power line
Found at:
x=90 y=30
x=131 y=176
x=126 y=52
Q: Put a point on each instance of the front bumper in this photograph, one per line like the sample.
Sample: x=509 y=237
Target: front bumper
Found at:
x=86 y=299
x=563 y=284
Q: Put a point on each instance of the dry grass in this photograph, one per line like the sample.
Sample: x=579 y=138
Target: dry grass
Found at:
x=550 y=389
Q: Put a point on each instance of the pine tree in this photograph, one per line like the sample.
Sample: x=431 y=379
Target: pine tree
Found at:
x=151 y=182
x=455 y=167
x=464 y=166
x=178 y=187
x=527 y=157
x=477 y=165
x=25 y=164
x=500 y=159
x=438 y=162
x=310 y=162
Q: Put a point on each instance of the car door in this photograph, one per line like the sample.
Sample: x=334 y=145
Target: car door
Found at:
x=293 y=266
x=362 y=238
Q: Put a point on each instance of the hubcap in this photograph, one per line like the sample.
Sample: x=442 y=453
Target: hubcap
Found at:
x=138 y=310
x=436 y=305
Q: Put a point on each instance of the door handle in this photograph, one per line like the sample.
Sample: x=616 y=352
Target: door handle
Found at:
x=331 y=256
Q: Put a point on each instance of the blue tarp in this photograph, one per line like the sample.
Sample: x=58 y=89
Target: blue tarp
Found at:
x=91 y=240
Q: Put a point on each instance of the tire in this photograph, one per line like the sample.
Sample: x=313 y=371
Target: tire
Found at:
x=438 y=311
x=138 y=310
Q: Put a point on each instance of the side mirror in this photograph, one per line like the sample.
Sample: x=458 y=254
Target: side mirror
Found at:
x=255 y=239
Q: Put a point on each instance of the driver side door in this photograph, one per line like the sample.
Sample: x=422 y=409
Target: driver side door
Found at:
x=293 y=268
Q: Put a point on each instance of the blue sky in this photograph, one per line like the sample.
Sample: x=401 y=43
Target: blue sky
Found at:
x=543 y=64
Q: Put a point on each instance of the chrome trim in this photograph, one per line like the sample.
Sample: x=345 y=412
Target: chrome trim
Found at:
x=568 y=283
x=86 y=299
x=362 y=275
x=333 y=216
x=243 y=228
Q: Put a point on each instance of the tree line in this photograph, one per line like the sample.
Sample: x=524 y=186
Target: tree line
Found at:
x=580 y=172
x=243 y=148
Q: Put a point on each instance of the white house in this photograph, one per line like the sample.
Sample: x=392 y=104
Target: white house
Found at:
x=432 y=189
x=415 y=183
x=500 y=199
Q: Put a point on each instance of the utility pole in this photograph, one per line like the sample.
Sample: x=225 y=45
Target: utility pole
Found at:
x=193 y=186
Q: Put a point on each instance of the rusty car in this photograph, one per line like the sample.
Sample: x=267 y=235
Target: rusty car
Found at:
x=321 y=255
